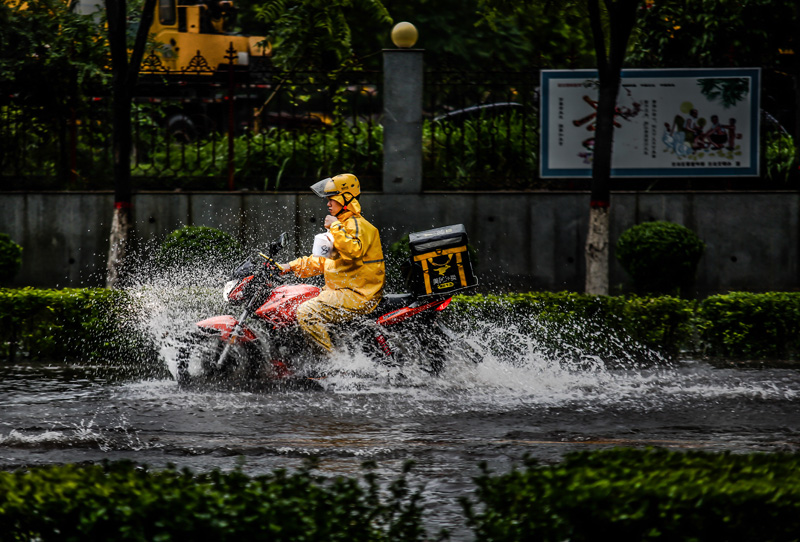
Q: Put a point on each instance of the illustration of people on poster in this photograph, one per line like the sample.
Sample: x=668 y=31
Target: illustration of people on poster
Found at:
x=668 y=123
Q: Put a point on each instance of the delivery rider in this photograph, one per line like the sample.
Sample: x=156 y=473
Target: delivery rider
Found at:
x=354 y=272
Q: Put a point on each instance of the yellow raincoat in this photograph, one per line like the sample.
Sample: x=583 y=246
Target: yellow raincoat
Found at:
x=354 y=278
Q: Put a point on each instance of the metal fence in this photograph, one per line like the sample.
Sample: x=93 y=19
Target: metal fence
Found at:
x=481 y=130
x=261 y=129
x=202 y=128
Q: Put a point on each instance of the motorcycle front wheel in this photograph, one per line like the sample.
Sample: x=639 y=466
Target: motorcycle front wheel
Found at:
x=198 y=363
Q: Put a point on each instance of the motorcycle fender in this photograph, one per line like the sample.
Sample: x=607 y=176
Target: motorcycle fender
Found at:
x=224 y=325
x=399 y=315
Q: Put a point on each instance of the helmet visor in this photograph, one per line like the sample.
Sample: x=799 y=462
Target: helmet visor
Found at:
x=324 y=188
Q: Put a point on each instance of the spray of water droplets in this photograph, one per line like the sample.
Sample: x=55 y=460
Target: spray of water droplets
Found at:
x=495 y=356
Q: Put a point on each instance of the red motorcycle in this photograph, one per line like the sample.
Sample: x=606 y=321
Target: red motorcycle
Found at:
x=264 y=347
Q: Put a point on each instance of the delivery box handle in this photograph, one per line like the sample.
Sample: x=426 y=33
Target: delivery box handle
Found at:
x=439 y=252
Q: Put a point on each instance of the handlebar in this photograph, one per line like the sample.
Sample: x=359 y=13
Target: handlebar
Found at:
x=270 y=260
x=272 y=264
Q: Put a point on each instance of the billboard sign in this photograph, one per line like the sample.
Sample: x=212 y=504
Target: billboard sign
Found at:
x=668 y=123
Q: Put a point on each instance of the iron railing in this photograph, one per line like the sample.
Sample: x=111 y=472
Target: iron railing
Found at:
x=261 y=129
x=257 y=128
x=205 y=128
x=481 y=130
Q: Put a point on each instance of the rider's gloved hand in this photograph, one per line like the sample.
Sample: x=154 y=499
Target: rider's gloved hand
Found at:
x=284 y=268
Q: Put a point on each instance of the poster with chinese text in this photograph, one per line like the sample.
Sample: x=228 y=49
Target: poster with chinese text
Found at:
x=668 y=123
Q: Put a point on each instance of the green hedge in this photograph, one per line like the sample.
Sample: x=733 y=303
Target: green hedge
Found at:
x=751 y=326
x=99 y=323
x=634 y=495
x=120 y=501
x=737 y=325
x=661 y=257
x=92 y=323
x=618 y=494
x=607 y=326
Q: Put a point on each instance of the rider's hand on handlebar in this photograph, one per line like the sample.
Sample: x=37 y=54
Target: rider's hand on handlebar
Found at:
x=284 y=268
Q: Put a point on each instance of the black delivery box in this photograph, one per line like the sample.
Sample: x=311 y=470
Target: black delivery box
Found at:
x=440 y=262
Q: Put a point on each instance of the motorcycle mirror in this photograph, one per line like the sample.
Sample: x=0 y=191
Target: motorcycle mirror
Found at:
x=274 y=247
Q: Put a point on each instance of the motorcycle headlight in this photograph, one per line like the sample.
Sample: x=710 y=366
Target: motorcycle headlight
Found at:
x=226 y=291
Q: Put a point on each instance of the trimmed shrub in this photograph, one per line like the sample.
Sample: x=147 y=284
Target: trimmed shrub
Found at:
x=97 y=323
x=621 y=328
x=661 y=257
x=10 y=258
x=634 y=495
x=120 y=501
x=92 y=323
x=198 y=246
x=743 y=325
x=620 y=494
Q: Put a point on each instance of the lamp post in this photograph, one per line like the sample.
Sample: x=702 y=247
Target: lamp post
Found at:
x=402 y=112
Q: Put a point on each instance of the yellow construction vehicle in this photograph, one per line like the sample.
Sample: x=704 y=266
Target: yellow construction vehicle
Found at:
x=195 y=31
x=193 y=36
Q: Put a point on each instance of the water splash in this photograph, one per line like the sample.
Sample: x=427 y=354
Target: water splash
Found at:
x=170 y=299
x=500 y=352
x=84 y=434
x=498 y=357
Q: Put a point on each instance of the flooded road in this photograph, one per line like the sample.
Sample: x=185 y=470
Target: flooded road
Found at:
x=494 y=412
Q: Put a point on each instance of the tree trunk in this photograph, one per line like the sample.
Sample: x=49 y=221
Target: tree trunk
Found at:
x=621 y=19
x=121 y=137
x=118 y=246
x=597 y=238
x=124 y=75
x=597 y=250
x=121 y=224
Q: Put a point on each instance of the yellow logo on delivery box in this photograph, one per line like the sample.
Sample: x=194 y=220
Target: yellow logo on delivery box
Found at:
x=442 y=270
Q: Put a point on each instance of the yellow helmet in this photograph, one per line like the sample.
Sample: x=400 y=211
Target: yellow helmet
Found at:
x=345 y=183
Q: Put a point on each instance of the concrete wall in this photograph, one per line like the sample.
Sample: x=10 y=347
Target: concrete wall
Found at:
x=525 y=241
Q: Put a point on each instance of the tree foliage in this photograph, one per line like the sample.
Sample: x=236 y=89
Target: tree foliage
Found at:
x=456 y=34
x=475 y=36
x=10 y=257
x=50 y=57
x=317 y=33
x=712 y=34
x=44 y=41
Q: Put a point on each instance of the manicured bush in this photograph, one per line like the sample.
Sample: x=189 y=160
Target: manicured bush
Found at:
x=92 y=323
x=10 y=258
x=198 y=246
x=634 y=495
x=661 y=257
x=102 y=324
x=742 y=325
x=120 y=501
x=619 y=494
x=614 y=328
